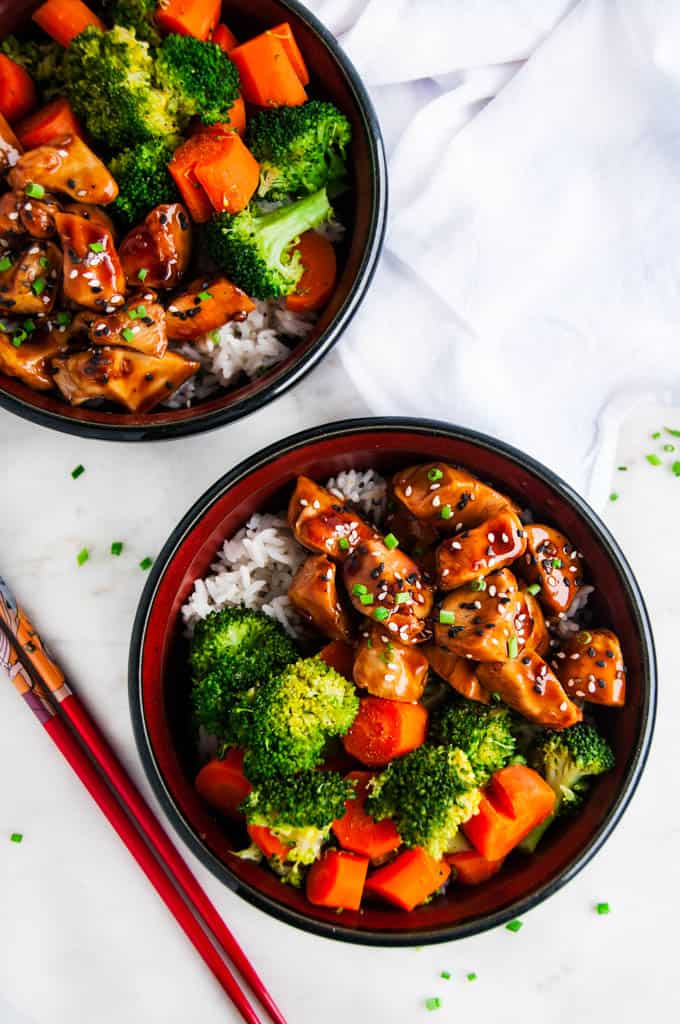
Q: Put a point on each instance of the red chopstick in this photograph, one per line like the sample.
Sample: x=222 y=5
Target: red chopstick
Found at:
x=111 y=773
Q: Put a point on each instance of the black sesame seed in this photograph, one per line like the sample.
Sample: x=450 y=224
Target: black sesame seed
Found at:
x=71 y=182
x=148 y=376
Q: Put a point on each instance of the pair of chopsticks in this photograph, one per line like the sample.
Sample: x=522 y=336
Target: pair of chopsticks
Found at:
x=41 y=683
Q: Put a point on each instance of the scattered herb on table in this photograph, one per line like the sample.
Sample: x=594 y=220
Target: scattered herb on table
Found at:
x=446 y=975
x=16 y=837
x=603 y=908
x=146 y=563
x=471 y=976
x=514 y=926
x=82 y=556
x=433 y=1003
x=614 y=496
x=117 y=547
x=78 y=471
x=653 y=459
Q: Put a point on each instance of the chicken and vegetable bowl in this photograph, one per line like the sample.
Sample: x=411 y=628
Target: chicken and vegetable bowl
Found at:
x=397 y=685
x=166 y=190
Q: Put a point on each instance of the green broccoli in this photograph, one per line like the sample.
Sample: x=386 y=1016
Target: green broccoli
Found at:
x=43 y=61
x=299 y=809
x=428 y=794
x=109 y=82
x=253 y=248
x=137 y=15
x=200 y=75
x=483 y=731
x=567 y=760
x=143 y=181
x=233 y=651
x=293 y=714
x=300 y=149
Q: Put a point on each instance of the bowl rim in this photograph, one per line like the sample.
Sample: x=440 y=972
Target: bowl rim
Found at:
x=329 y=337
x=403 y=937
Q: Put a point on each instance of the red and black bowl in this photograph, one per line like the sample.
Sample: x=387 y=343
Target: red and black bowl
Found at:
x=362 y=210
x=159 y=678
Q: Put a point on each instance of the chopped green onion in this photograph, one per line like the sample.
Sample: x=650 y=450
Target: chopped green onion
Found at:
x=669 y=447
x=366 y=598
x=34 y=190
x=5 y=263
x=557 y=563
x=479 y=584
x=434 y=474
x=141 y=274
x=391 y=542
x=343 y=544
x=82 y=556
x=39 y=285
x=369 y=642
x=117 y=547
x=146 y=563
x=141 y=311
x=18 y=337
x=675 y=469
x=445 y=512
x=433 y=1003
x=128 y=334
x=96 y=247
x=613 y=496
x=446 y=975
x=403 y=598
x=584 y=637
x=16 y=837
x=471 y=976
x=513 y=647
x=446 y=618
x=657 y=433
x=359 y=588
x=44 y=262
x=533 y=589
x=381 y=614
x=29 y=326
x=204 y=296
x=78 y=471
x=653 y=460
x=63 y=319
x=603 y=908
x=623 y=469
x=514 y=926
x=673 y=433
x=132 y=314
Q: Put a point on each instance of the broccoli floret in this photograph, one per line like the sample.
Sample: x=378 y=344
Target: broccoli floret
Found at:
x=201 y=76
x=143 y=181
x=300 y=149
x=299 y=809
x=292 y=716
x=567 y=760
x=109 y=84
x=254 y=249
x=137 y=15
x=428 y=794
x=482 y=731
x=43 y=61
x=233 y=651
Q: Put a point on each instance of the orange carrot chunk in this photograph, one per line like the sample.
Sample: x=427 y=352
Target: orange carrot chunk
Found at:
x=284 y=34
x=337 y=880
x=339 y=656
x=222 y=783
x=189 y=17
x=182 y=167
x=470 y=868
x=65 y=19
x=268 y=77
x=48 y=124
x=17 y=92
x=315 y=287
x=514 y=801
x=228 y=173
x=224 y=38
x=384 y=729
x=409 y=879
x=358 y=831
x=268 y=843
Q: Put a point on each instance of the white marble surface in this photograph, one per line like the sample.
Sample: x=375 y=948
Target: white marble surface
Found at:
x=84 y=939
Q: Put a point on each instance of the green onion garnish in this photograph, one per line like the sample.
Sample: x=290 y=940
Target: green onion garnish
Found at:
x=39 y=285
x=433 y=1003
x=603 y=908
x=146 y=563
x=5 y=263
x=63 y=319
x=434 y=474
x=44 y=262
x=381 y=614
x=446 y=618
x=16 y=837
x=82 y=556
x=675 y=469
x=403 y=598
x=653 y=460
x=445 y=512
x=513 y=647
x=128 y=334
x=471 y=976
x=557 y=563
x=446 y=975
x=34 y=190
x=391 y=542
x=141 y=274
x=479 y=584
x=657 y=433
x=514 y=926
x=359 y=588
x=96 y=247
x=204 y=296
x=78 y=471
x=613 y=496
x=366 y=598
x=533 y=589
x=141 y=311
x=623 y=469
x=117 y=547
x=29 y=326
x=18 y=337
x=669 y=447
x=673 y=433
x=343 y=544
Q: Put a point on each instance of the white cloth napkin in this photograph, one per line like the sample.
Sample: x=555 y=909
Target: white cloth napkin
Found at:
x=531 y=281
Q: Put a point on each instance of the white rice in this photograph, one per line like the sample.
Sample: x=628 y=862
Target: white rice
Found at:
x=255 y=567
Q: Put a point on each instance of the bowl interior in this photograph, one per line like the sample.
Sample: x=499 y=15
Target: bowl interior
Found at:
x=361 y=210
x=160 y=684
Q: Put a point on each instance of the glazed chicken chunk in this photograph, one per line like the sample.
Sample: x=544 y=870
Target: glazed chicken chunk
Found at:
x=475 y=553
x=67 y=166
x=390 y=669
x=30 y=361
x=206 y=305
x=93 y=276
x=29 y=279
x=157 y=252
x=555 y=564
x=139 y=325
x=314 y=592
x=459 y=673
x=447 y=497
x=529 y=685
x=591 y=667
x=322 y=522
x=482 y=624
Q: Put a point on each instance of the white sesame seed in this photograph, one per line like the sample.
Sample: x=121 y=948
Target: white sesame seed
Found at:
x=81 y=192
x=393 y=665
x=435 y=487
x=33 y=250
x=436 y=501
x=492 y=591
x=456 y=545
x=445 y=572
x=408 y=491
x=491 y=537
x=316 y=503
x=13 y=216
x=591 y=687
x=580 y=693
x=304 y=502
x=389 y=678
x=561 y=655
x=504 y=538
x=28 y=206
x=574 y=657
x=563 y=706
x=73 y=273
x=393 y=626
x=573 y=568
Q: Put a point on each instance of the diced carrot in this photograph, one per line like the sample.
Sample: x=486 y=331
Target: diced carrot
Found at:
x=358 y=831
x=65 y=19
x=471 y=868
x=384 y=729
x=339 y=656
x=284 y=34
x=17 y=92
x=514 y=801
x=268 y=843
x=409 y=879
x=222 y=783
x=189 y=17
x=337 y=880
x=182 y=167
x=224 y=38
x=228 y=173
x=315 y=287
x=51 y=122
x=268 y=77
